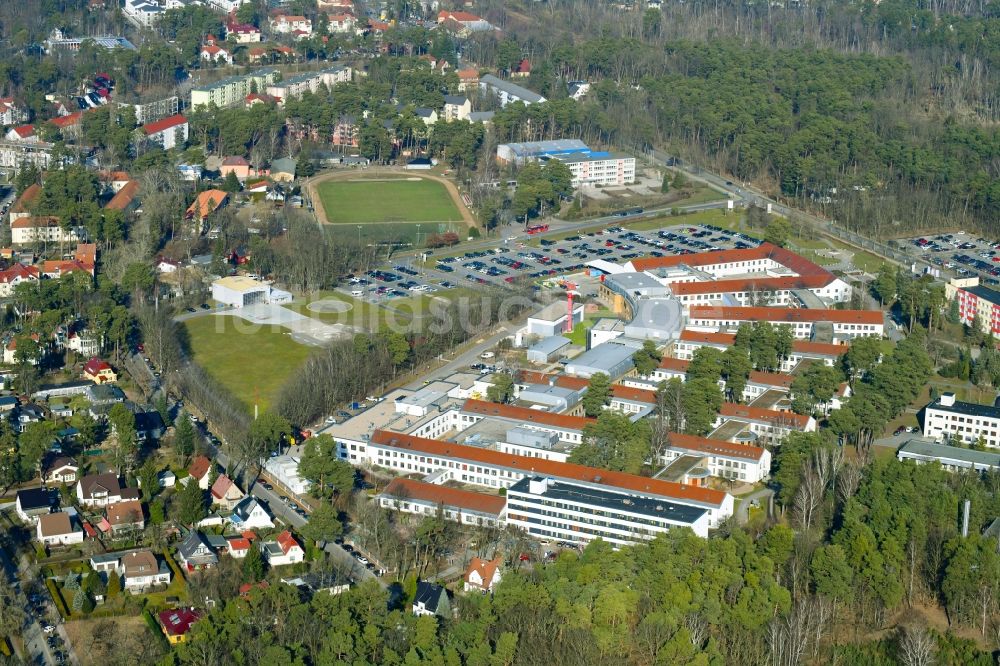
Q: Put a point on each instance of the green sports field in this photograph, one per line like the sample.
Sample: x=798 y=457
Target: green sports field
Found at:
x=392 y=200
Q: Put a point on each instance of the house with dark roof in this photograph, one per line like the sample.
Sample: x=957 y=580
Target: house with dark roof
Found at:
x=58 y=529
x=250 y=514
x=102 y=490
x=99 y=371
x=194 y=553
x=61 y=470
x=31 y=503
x=176 y=623
x=431 y=599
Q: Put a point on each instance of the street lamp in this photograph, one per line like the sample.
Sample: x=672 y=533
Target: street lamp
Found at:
x=359 y=235
x=418 y=234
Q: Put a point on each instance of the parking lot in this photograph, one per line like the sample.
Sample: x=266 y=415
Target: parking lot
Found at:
x=524 y=260
x=961 y=254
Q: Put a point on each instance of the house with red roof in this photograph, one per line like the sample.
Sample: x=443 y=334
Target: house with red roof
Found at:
x=283 y=550
x=22 y=133
x=285 y=24
x=176 y=623
x=214 y=53
x=238 y=547
x=521 y=70
x=225 y=493
x=235 y=164
x=199 y=471
x=774 y=425
x=99 y=371
x=845 y=324
x=69 y=124
x=167 y=132
x=739 y=461
x=243 y=33
x=482 y=575
x=15 y=275
x=126 y=199
x=343 y=22
x=56 y=268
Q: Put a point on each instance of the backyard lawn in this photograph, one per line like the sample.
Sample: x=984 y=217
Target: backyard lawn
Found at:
x=395 y=200
x=250 y=360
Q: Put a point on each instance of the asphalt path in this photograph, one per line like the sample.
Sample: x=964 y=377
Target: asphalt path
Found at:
x=35 y=645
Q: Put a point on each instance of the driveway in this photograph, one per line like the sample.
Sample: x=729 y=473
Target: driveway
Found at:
x=762 y=497
x=305 y=330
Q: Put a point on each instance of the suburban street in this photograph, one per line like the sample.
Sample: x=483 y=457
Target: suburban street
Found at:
x=36 y=649
x=281 y=510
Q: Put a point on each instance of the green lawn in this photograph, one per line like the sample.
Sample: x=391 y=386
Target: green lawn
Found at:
x=718 y=217
x=580 y=331
x=398 y=200
x=248 y=359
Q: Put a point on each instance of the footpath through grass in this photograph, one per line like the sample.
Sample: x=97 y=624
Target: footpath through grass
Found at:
x=391 y=200
x=248 y=359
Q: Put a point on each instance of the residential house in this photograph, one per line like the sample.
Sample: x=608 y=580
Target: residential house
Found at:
x=215 y=54
x=31 y=503
x=521 y=70
x=40 y=229
x=431 y=599
x=56 y=268
x=57 y=529
x=176 y=623
x=61 y=470
x=22 y=207
x=24 y=415
x=250 y=514
x=429 y=116
x=285 y=24
x=200 y=471
x=577 y=89
x=243 y=33
x=168 y=132
x=235 y=164
x=284 y=550
x=482 y=575
x=194 y=552
x=125 y=516
x=127 y=198
x=344 y=22
x=11 y=112
x=149 y=426
x=142 y=570
x=103 y=395
x=468 y=79
x=15 y=275
x=102 y=489
x=99 y=371
x=165 y=265
x=238 y=547
x=463 y=22
x=22 y=133
x=457 y=107
x=313 y=583
x=205 y=204
x=68 y=125
x=226 y=493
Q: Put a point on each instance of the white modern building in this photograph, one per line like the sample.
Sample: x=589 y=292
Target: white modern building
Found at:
x=471 y=465
x=947 y=417
x=142 y=13
x=589 y=167
x=300 y=84
x=846 y=324
x=239 y=291
x=738 y=462
x=546 y=509
x=951 y=458
x=285 y=470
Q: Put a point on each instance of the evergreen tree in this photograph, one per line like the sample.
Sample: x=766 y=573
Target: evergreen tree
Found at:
x=190 y=503
x=598 y=395
x=254 y=566
x=184 y=436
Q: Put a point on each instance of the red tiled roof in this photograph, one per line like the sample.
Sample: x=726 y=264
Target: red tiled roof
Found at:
x=676 y=364
x=451 y=497
x=125 y=513
x=67 y=121
x=61 y=267
x=552 y=468
x=287 y=542
x=634 y=394
x=199 y=467
x=771 y=378
x=202 y=201
x=807 y=347
x=715 y=446
x=525 y=414
x=687 y=335
x=239 y=543
x=35 y=222
x=787 y=258
x=750 y=284
x=95 y=365
x=221 y=486
x=467 y=74
x=24 y=131
x=178 y=621
x=124 y=196
x=235 y=160
x=729 y=313
x=166 y=123
x=18 y=271
x=734 y=410
x=461 y=17
x=486 y=568
x=86 y=253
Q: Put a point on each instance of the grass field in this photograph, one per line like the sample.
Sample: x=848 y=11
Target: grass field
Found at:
x=245 y=358
x=396 y=200
x=716 y=216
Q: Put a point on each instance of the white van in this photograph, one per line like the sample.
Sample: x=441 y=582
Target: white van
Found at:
x=357 y=292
